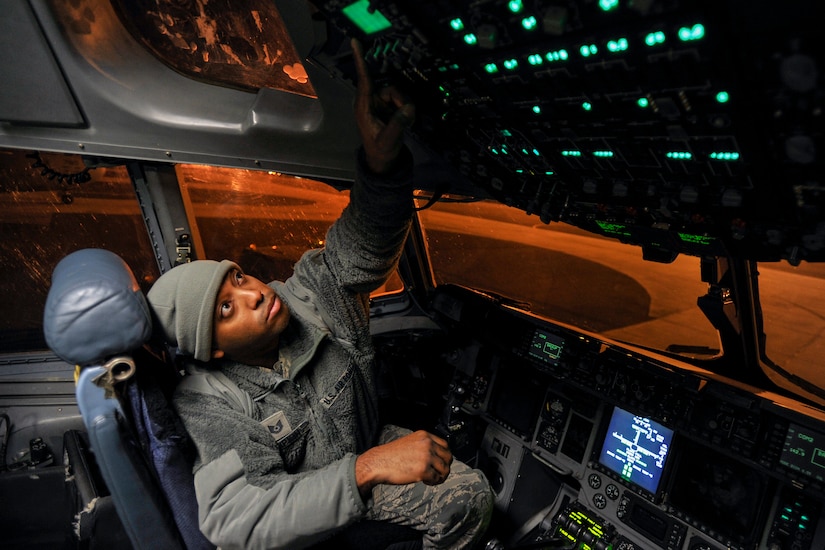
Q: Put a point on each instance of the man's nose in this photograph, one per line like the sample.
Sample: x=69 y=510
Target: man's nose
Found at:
x=252 y=297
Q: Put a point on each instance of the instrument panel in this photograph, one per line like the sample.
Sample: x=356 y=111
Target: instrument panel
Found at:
x=679 y=126
x=587 y=441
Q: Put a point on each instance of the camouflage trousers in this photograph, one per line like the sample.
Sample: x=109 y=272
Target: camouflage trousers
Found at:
x=454 y=514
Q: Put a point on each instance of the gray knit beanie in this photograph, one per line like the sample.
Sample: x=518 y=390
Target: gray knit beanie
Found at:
x=183 y=301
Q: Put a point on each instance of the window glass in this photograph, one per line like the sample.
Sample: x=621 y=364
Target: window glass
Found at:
x=565 y=274
x=239 y=44
x=793 y=308
x=47 y=212
x=264 y=221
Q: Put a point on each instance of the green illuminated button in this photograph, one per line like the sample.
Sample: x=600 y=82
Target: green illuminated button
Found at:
x=529 y=23
x=558 y=55
x=370 y=22
x=696 y=32
x=653 y=38
x=588 y=49
x=617 y=45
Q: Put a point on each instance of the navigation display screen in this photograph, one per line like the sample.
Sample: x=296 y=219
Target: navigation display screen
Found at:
x=636 y=448
x=546 y=347
x=804 y=452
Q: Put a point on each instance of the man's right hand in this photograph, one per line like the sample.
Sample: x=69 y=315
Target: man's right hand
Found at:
x=419 y=456
x=382 y=116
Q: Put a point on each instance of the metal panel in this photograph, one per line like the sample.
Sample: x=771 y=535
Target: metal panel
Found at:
x=32 y=88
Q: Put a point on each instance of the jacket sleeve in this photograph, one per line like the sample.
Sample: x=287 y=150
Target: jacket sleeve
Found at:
x=364 y=244
x=245 y=498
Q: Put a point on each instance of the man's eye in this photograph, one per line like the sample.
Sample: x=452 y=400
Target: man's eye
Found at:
x=238 y=276
x=226 y=308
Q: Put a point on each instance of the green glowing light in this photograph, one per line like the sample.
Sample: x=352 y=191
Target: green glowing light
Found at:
x=470 y=39
x=549 y=173
x=515 y=6
x=571 y=153
x=491 y=68
x=370 y=22
x=696 y=32
x=535 y=59
x=723 y=97
x=619 y=45
x=679 y=155
x=655 y=37
x=510 y=64
x=613 y=228
x=603 y=154
x=588 y=49
x=506 y=133
x=457 y=24
x=587 y=106
x=558 y=55
x=536 y=152
x=696 y=239
x=537 y=109
x=607 y=5
x=529 y=23
x=643 y=102
x=724 y=155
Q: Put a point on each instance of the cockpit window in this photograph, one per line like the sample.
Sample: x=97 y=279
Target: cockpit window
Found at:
x=264 y=221
x=50 y=206
x=238 y=44
x=793 y=308
x=565 y=274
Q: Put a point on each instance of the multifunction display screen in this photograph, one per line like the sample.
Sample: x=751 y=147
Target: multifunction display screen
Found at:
x=804 y=452
x=546 y=347
x=636 y=448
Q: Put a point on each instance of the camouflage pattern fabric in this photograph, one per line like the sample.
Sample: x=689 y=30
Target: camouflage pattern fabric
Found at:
x=454 y=514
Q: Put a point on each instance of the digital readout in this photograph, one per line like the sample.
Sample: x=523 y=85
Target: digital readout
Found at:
x=804 y=452
x=546 y=347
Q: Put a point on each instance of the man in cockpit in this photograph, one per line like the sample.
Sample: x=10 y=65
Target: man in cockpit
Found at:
x=280 y=399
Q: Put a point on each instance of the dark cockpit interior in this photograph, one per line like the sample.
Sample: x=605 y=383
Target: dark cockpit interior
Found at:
x=681 y=130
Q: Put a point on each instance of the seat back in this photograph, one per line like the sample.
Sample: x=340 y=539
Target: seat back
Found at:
x=97 y=318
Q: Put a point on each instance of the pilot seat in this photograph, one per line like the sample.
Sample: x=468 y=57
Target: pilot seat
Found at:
x=97 y=317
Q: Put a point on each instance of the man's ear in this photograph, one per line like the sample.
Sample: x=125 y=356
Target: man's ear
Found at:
x=217 y=354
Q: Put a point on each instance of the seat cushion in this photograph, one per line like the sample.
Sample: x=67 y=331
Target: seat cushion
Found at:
x=95 y=308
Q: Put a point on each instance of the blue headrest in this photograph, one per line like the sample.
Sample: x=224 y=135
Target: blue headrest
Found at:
x=95 y=308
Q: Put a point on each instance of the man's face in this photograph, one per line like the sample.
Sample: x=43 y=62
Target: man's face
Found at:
x=249 y=318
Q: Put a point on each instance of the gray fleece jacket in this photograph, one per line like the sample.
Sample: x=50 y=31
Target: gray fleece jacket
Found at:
x=276 y=461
